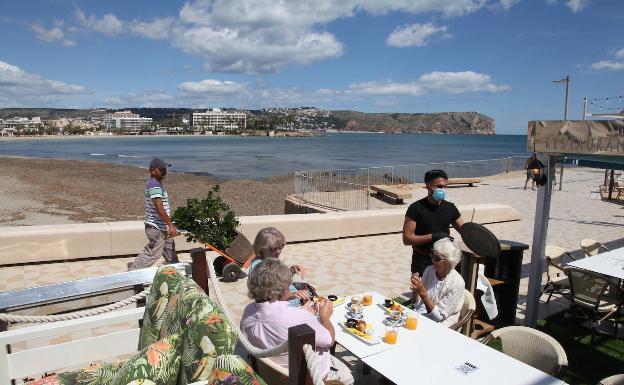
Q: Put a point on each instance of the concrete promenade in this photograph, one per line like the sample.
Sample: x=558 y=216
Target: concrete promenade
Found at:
x=381 y=263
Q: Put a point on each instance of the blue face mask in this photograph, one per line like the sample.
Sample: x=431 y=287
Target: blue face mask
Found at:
x=438 y=194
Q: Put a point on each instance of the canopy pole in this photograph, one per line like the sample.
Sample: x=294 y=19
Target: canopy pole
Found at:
x=540 y=232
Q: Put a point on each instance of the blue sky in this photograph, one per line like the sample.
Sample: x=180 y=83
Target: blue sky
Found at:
x=498 y=57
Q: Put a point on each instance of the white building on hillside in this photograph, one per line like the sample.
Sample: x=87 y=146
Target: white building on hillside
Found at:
x=216 y=119
x=23 y=124
x=126 y=121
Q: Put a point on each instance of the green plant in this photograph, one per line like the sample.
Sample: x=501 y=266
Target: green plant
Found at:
x=209 y=220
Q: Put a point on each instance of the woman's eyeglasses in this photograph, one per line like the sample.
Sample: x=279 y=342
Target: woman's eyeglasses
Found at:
x=435 y=257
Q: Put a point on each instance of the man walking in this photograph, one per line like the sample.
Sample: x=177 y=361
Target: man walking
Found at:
x=158 y=226
x=428 y=220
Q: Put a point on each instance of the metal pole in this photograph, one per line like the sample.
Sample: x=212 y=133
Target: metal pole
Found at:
x=368 y=189
x=585 y=108
x=540 y=231
x=565 y=113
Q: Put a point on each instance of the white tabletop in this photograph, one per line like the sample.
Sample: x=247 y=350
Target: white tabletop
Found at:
x=602 y=264
x=614 y=254
x=372 y=314
x=431 y=353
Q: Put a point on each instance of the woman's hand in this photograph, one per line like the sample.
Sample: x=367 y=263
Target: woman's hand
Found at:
x=417 y=285
x=301 y=294
x=311 y=306
x=299 y=269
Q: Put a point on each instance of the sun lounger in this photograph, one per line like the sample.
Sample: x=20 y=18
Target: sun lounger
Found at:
x=469 y=181
x=393 y=192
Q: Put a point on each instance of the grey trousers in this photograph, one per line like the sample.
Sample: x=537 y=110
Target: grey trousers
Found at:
x=156 y=247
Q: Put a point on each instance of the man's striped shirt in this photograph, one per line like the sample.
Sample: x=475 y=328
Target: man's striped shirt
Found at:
x=155 y=189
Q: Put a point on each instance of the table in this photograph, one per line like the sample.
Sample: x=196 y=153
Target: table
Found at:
x=431 y=353
x=614 y=254
x=612 y=265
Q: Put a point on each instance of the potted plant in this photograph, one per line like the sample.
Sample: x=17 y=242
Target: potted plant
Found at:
x=210 y=220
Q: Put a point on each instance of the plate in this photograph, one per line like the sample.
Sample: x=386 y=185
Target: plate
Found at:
x=387 y=310
x=373 y=340
x=339 y=301
x=390 y=322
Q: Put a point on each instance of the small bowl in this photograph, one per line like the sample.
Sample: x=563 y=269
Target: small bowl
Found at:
x=388 y=302
x=332 y=297
x=351 y=323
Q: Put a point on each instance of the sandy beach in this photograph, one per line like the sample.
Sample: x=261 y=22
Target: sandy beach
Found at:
x=36 y=191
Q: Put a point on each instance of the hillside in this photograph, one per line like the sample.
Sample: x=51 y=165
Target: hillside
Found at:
x=442 y=122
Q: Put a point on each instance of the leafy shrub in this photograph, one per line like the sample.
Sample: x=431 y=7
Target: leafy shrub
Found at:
x=209 y=220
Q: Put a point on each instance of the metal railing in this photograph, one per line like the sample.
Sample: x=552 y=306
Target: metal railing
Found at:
x=349 y=189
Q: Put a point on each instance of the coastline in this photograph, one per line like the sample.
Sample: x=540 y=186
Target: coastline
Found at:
x=37 y=191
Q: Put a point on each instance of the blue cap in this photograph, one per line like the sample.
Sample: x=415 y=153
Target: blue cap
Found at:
x=159 y=164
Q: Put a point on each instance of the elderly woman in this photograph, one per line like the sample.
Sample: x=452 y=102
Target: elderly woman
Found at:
x=439 y=294
x=265 y=322
x=269 y=243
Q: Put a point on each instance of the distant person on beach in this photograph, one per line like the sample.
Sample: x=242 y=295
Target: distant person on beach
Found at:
x=428 y=220
x=528 y=172
x=158 y=225
x=269 y=243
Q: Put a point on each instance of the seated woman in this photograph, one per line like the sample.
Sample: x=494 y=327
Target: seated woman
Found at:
x=269 y=243
x=265 y=322
x=439 y=294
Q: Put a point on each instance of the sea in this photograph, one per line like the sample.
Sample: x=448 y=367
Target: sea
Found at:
x=236 y=157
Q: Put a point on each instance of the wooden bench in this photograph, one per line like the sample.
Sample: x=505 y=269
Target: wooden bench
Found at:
x=469 y=181
x=391 y=191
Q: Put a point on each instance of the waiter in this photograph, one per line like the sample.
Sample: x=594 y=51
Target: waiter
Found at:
x=428 y=219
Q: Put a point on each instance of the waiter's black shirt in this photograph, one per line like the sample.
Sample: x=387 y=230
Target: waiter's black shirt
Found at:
x=429 y=219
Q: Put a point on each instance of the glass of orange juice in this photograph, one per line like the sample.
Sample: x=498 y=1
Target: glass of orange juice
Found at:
x=411 y=322
x=367 y=300
x=391 y=335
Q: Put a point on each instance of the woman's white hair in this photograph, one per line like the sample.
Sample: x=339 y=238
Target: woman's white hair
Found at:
x=449 y=250
x=269 y=280
x=268 y=239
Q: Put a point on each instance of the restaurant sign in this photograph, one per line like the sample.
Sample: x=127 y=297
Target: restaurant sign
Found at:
x=604 y=137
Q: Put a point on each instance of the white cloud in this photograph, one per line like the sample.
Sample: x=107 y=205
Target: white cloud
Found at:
x=255 y=36
x=213 y=87
x=608 y=65
x=433 y=82
x=507 y=4
x=68 y=43
x=577 y=5
x=417 y=35
x=158 y=29
x=23 y=88
x=619 y=53
x=108 y=24
x=47 y=35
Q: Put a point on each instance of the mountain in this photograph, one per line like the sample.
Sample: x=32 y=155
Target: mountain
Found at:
x=440 y=122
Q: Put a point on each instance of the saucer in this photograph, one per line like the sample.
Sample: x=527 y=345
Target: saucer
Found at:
x=357 y=316
x=390 y=322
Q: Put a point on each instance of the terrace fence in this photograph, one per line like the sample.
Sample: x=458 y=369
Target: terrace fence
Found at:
x=349 y=189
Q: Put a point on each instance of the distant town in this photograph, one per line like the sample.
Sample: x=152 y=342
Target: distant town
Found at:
x=215 y=121
x=300 y=121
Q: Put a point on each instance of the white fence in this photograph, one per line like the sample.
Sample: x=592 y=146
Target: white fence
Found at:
x=349 y=189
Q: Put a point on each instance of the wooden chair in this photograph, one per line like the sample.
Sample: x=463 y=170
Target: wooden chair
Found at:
x=592 y=247
x=533 y=347
x=556 y=279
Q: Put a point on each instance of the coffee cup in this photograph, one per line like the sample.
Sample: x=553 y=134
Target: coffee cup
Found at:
x=395 y=315
x=356 y=308
x=356 y=299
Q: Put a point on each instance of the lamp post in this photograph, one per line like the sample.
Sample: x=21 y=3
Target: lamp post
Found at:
x=565 y=117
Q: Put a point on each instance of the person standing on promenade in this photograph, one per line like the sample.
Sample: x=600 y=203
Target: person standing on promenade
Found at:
x=428 y=219
x=158 y=225
x=528 y=172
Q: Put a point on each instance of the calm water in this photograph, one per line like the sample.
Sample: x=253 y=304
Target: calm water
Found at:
x=234 y=157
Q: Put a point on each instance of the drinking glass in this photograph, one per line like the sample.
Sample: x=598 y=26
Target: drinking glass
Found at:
x=391 y=335
x=412 y=321
x=367 y=300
